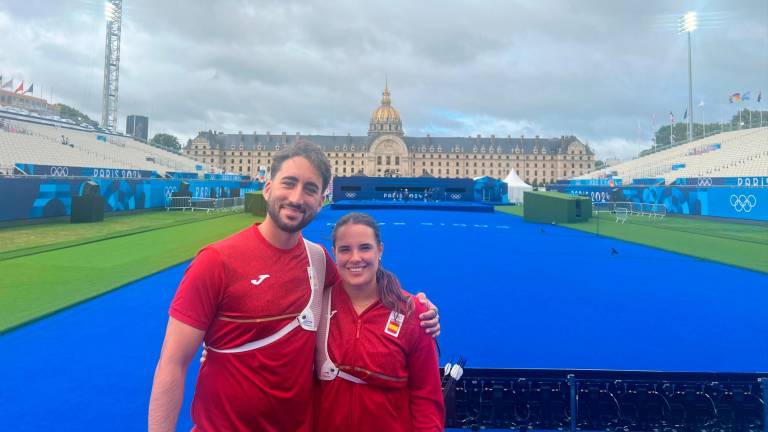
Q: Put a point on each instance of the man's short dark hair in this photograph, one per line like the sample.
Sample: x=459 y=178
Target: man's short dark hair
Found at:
x=309 y=151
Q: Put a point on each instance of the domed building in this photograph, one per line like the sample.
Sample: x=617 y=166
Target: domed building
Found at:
x=387 y=151
x=386 y=119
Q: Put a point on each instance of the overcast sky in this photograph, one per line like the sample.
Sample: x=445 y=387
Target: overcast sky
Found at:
x=599 y=70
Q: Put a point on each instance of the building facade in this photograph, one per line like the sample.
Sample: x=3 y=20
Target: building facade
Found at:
x=386 y=151
x=27 y=102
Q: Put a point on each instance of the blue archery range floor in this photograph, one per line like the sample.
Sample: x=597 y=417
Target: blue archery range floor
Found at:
x=511 y=295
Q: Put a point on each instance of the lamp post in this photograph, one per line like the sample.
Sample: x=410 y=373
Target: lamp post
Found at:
x=688 y=24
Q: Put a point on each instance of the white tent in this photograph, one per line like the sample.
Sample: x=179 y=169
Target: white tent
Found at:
x=515 y=187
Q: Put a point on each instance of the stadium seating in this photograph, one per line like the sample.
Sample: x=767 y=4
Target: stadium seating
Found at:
x=728 y=154
x=23 y=142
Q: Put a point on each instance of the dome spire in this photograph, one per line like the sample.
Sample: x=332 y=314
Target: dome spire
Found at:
x=385 y=100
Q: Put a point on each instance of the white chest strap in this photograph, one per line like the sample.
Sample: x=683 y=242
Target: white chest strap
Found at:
x=307 y=318
x=326 y=370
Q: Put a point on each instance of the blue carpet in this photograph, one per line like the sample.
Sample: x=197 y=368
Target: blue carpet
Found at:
x=511 y=294
x=366 y=205
x=90 y=367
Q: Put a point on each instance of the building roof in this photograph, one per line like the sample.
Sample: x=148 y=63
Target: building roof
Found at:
x=427 y=144
x=387 y=114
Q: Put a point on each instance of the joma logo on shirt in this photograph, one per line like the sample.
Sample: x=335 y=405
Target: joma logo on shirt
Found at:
x=259 y=280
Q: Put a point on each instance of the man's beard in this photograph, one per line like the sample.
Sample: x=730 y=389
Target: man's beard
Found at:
x=273 y=209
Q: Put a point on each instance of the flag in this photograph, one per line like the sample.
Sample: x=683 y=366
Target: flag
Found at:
x=685 y=115
x=29 y=90
x=736 y=97
x=745 y=96
x=671 y=117
x=20 y=88
x=759 y=96
x=9 y=84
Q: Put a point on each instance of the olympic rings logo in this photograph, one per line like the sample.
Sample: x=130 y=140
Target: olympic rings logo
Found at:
x=705 y=181
x=350 y=194
x=743 y=203
x=59 y=171
x=455 y=196
x=169 y=190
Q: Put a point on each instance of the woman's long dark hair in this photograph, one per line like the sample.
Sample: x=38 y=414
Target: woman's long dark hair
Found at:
x=387 y=284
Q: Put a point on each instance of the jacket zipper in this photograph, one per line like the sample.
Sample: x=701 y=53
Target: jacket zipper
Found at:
x=357 y=332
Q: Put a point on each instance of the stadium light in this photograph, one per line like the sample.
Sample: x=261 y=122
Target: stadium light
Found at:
x=688 y=24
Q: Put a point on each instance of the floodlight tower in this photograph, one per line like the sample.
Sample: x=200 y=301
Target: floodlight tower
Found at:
x=113 y=11
x=688 y=24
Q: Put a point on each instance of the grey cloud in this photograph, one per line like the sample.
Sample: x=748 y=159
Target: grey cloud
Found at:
x=590 y=68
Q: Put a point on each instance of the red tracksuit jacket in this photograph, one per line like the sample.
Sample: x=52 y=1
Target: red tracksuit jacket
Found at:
x=402 y=390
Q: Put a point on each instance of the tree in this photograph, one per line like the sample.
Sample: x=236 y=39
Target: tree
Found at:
x=599 y=164
x=166 y=141
x=69 y=113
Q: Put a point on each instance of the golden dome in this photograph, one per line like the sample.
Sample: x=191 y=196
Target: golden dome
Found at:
x=385 y=113
x=385 y=119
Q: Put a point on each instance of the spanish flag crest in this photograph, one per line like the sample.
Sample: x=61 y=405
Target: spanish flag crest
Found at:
x=394 y=324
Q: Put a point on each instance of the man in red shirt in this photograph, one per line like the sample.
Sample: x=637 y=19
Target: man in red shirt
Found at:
x=247 y=298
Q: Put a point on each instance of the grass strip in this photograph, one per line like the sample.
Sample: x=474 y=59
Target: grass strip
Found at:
x=37 y=285
x=30 y=239
x=734 y=244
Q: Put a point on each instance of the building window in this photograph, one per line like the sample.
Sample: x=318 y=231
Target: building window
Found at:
x=397 y=160
x=378 y=160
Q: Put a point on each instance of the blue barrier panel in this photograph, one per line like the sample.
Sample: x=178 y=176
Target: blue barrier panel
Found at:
x=37 y=197
x=403 y=188
x=238 y=177
x=491 y=190
x=725 y=202
x=647 y=181
x=751 y=181
x=71 y=171
x=181 y=175
x=591 y=182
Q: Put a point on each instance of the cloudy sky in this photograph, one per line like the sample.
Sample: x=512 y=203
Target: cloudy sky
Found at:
x=597 y=69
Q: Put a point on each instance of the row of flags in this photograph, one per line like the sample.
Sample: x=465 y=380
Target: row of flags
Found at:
x=736 y=97
x=741 y=97
x=20 y=89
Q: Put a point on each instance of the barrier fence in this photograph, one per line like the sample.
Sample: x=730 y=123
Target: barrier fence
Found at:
x=579 y=400
x=205 y=204
x=652 y=210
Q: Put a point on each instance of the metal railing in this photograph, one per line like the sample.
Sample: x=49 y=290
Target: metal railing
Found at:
x=652 y=210
x=205 y=204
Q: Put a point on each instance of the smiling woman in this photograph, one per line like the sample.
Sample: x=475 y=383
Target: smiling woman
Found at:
x=375 y=360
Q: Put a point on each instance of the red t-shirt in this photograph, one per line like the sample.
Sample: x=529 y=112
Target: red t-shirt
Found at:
x=239 y=290
x=402 y=390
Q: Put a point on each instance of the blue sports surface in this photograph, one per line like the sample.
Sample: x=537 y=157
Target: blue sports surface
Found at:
x=511 y=295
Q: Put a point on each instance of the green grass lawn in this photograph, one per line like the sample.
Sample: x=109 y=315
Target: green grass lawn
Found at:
x=737 y=244
x=29 y=239
x=35 y=285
